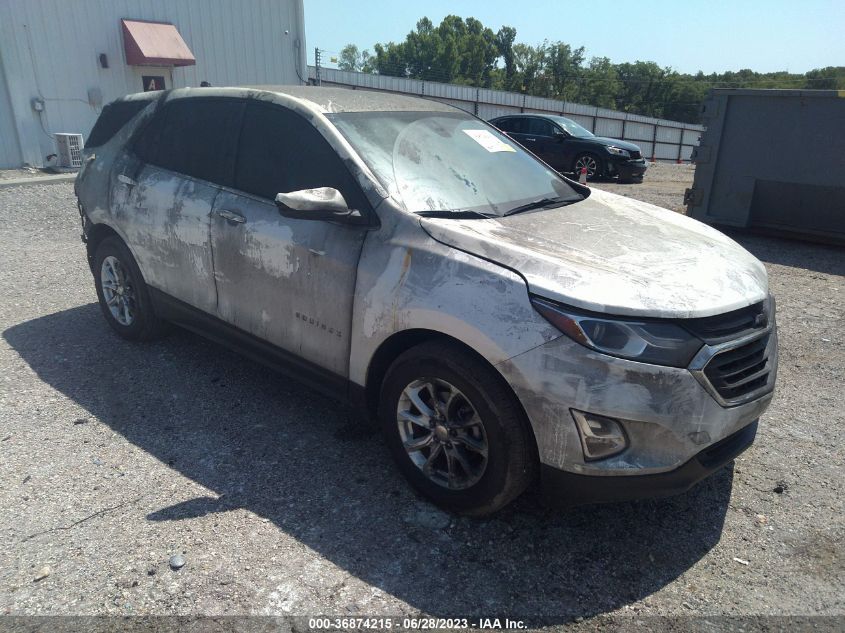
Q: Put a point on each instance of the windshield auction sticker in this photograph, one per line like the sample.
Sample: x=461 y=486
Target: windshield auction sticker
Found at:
x=489 y=142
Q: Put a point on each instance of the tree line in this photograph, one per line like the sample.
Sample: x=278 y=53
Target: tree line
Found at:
x=464 y=51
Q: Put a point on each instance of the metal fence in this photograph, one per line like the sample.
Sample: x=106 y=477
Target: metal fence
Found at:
x=658 y=139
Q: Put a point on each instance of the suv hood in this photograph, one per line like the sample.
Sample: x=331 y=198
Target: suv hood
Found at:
x=615 y=255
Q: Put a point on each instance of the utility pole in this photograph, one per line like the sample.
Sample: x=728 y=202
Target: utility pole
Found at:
x=318 y=79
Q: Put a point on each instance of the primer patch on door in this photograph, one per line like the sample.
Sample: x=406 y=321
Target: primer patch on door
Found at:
x=489 y=142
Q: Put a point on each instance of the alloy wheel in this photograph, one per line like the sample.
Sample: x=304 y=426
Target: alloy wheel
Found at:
x=118 y=290
x=442 y=433
x=590 y=163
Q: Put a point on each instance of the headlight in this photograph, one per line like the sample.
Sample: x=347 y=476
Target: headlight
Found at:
x=619 y=152
x=657 y=342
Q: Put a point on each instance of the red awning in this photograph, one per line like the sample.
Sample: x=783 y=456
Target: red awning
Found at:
x=155 y=44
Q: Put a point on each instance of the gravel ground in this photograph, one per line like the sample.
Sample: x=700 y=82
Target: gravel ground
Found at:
x=664 y=185
x=23 y=172
x=116 y=456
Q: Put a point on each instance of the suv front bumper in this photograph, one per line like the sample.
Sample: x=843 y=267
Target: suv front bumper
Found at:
x=570 y=489
x=677 y=432
x=628 y=169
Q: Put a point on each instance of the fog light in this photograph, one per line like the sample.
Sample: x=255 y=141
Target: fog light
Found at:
x=600 y=436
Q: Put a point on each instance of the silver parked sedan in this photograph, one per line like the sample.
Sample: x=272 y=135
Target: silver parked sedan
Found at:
x=502 y=322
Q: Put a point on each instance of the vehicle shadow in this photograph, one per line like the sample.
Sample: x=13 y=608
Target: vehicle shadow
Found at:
x=821 y=258
x=267 y=444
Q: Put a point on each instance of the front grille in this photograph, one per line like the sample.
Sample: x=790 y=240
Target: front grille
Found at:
x=737 y=372
x=635 y=155
x=731 y=325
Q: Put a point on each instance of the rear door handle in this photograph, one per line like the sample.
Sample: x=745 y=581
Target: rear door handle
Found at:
x=231 y=216
x=530 y=139
x=126 y=180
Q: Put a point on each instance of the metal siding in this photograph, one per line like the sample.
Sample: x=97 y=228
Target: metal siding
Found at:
x=665 y=151
x=691 y=137
x=645 y=148
x=639 y=131
x=797 y=185
x=578 y=108
x=50 y=47
x=610 y=114
x=466 y=106
x=669 y=135
x=10 y=151
x=488 y=111
x=609 y=127
x=585 y=121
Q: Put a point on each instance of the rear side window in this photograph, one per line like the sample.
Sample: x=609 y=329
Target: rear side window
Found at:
x=506 y=125
x=281 y=152
x=517 y=125
x=195 y=137
x=113 y=117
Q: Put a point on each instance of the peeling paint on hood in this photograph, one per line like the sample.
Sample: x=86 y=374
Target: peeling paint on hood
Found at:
x=615 y=255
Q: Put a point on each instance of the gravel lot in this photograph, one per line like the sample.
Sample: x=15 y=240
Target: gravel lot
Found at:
x=664 y=185
x=116 y=456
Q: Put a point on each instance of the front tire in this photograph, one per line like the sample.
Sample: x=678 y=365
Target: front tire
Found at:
x=594 y=165
x=123 y=295
x=456 y=430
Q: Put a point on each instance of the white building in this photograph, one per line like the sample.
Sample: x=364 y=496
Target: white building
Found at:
x=62 y=60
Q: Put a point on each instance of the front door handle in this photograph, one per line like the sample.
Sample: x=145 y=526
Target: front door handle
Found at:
x=231 y=216
x=126 y=180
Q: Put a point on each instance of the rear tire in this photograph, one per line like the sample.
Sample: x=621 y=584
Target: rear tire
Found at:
x=123 y=295
x=469 y=447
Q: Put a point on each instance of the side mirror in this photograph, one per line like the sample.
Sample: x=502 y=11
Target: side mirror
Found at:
x=323 y=203
x=561 y=136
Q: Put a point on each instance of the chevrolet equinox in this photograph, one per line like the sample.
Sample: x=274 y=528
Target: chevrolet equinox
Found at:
x=503 y=323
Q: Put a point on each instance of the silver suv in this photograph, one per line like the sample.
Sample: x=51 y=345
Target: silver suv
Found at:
x=502 y=322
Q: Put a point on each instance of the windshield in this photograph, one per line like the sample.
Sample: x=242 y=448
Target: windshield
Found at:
x=572 y=128
x=443 y=161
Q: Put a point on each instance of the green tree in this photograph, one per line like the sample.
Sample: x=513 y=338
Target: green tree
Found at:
x=353 y=59
x=464 y=51
x=563 y=68
x=505 y=38
x=599 y=84
x=830 y=78
x=389 y=59
x=530 y=67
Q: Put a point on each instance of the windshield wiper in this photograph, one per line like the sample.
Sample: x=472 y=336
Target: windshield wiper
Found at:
x=539 y=204
x=456 y=215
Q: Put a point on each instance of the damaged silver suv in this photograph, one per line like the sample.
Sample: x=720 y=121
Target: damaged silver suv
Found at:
x=502 y=322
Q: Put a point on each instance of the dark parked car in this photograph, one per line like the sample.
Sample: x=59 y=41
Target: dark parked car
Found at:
x=568 y=147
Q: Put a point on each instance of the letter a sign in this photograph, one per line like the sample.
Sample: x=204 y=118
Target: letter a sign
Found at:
x=153 y=82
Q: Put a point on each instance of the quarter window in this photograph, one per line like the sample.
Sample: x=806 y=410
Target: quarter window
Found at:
x=113 y=117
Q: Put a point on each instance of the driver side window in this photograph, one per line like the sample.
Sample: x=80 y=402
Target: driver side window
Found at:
x=280 y=151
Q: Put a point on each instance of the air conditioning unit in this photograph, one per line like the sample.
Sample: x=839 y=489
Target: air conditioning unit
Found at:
x=69 y=150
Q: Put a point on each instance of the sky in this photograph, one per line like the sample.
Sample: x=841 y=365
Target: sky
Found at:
x=688 y=35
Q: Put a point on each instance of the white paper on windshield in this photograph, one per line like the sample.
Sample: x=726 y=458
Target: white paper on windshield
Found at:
x=489 y=142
